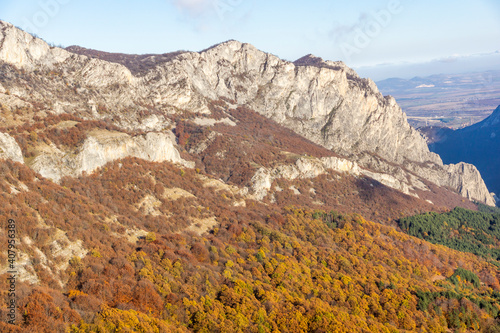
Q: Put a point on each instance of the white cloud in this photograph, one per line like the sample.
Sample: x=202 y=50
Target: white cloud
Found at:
x=452 y=58
x=341 y=31
x=193 y=7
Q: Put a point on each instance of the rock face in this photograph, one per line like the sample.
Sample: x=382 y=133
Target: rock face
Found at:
x=9 y=149
x=324 y=101
x=463 y=174
x=330 y=105
x=102 y=147
x=313 y=167
x=25 y=51
x=462 y=177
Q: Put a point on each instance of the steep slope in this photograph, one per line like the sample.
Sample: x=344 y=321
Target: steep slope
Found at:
x=324 y=101
x=272 y=162
x=145 y=246
x=478 y=144
x=329 y=105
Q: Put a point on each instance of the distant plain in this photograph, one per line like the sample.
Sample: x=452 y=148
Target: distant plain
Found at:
x=446 y=100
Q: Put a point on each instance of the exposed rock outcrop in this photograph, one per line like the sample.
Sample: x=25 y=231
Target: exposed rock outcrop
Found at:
x=263 y=179
x=329 y=105
x=60 y=250
x=461 y=176
x=102 y=147
x=23 y=50
x=9 y=149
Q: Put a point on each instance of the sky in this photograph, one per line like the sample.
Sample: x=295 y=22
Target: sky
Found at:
x=379 y=38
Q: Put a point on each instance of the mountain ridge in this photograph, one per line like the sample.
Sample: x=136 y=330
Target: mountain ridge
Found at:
x=327 y=103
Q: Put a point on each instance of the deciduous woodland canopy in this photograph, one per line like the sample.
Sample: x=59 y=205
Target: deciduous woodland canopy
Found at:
x=263 y=268
x=310 y=260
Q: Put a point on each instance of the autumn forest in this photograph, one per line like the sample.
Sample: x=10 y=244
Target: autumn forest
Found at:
x=155 y=247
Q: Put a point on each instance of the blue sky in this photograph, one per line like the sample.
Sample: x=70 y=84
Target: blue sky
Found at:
x=364 y=34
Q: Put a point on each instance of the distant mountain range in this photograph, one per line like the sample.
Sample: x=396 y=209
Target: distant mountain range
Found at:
x=478 y=144
x=453 y=64
x=446 y=100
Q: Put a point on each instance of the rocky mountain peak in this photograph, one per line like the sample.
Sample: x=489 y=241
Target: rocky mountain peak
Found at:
x=308 y=60
x=324 y=101
x=227 y=45
x=23 y=50
x=314 y=61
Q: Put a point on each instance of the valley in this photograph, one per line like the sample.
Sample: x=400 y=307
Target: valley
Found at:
x=477 y=144
x=446 y=100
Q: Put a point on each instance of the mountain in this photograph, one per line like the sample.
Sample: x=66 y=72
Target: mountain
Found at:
x=225 y=190
x=478 y=144
x=324 y=101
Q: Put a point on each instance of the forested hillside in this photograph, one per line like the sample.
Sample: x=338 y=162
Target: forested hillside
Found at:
x=167 y=249
x=460 y=229
x=156 y=247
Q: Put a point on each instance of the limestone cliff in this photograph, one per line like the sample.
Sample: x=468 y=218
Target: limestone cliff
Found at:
x=324 y=101
x=9 y=149
x=331 y=105
x=25 y=51
x=102 y=147
x=461 y=176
